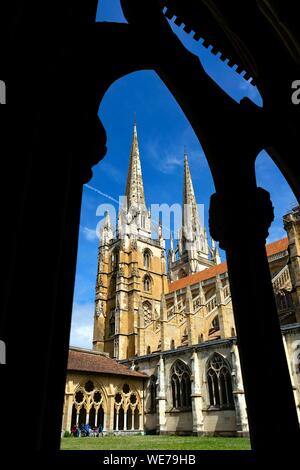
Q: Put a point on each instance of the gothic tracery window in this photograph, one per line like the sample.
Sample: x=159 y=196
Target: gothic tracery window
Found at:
x=126 y=409
x=88 y=406
x=219 y=382
x=181 y=385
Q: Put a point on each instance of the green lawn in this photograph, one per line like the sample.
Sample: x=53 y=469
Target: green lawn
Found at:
x=155 y=443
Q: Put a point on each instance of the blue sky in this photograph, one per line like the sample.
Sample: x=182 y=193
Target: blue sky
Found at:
x=163 y=132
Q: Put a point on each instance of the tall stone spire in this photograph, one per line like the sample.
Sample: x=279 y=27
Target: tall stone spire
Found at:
x=190 y=215
x=134 y=186
x=134 y=219
x=193 y=248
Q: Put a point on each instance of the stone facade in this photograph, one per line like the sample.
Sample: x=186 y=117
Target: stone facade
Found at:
x=177 y=329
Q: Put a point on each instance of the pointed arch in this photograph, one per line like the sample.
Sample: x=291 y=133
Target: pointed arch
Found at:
x=147 y=258
x=181 y=385
x=89 y=402
x=218 y=374
x=147 y=283
x=127 y=405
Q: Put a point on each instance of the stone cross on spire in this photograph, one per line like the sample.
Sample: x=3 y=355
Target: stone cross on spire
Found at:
x=134 y=186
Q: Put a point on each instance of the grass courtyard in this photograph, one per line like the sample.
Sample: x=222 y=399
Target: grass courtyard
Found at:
x=154 y=443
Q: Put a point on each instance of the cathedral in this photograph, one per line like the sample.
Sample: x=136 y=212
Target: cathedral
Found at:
x=165 y=355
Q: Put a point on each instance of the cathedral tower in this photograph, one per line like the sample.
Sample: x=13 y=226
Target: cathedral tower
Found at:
x=194 y=252
x=131 y=275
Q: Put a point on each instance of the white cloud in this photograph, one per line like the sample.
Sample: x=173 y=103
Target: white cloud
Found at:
x=89 y=234
x=82 y=325
x=169 y=158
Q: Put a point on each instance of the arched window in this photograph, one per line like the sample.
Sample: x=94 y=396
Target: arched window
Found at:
x=148 y=350
x=181 y=385
x=115 y=259
x=147 y=283
x=147 y=259
x=126 y=404
x=88 y=395
x=219 y=382
x=153 y=381
x=112 y=324
x=147 y=309
x=172 y=345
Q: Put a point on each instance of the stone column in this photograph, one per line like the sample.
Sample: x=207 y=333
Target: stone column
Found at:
x=198 y=425
x=161 y=398
x=117 y=420
x=163 y=320
x=141 y=424
x=255 y=312
x=238 y=393
x=189 y=311
x=132 y=420
x=111 y=412
x=125 y=420
x=297 y=402
x=69 y=407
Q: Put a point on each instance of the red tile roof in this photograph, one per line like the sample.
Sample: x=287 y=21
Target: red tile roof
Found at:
x=197 y=277
x=92 y=361
x=277 y=247
x=271 y=249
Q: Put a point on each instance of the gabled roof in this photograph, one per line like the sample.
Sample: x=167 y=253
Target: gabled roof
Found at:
x=271 y=249
x=85 y=360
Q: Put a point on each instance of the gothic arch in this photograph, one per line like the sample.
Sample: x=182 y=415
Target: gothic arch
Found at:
x=219 y=382
x=90 y=403
x=147 y=258
x=147 y=283
x=127 y=408
x=180 y=378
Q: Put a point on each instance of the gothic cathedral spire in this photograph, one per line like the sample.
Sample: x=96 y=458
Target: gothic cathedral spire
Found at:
x=193 y=248
x=134 y=186
x=190 y=215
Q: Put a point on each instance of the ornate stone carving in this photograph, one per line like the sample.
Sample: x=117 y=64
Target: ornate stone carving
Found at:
x=100 y=309
x=133 y=245
x=135 y=271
